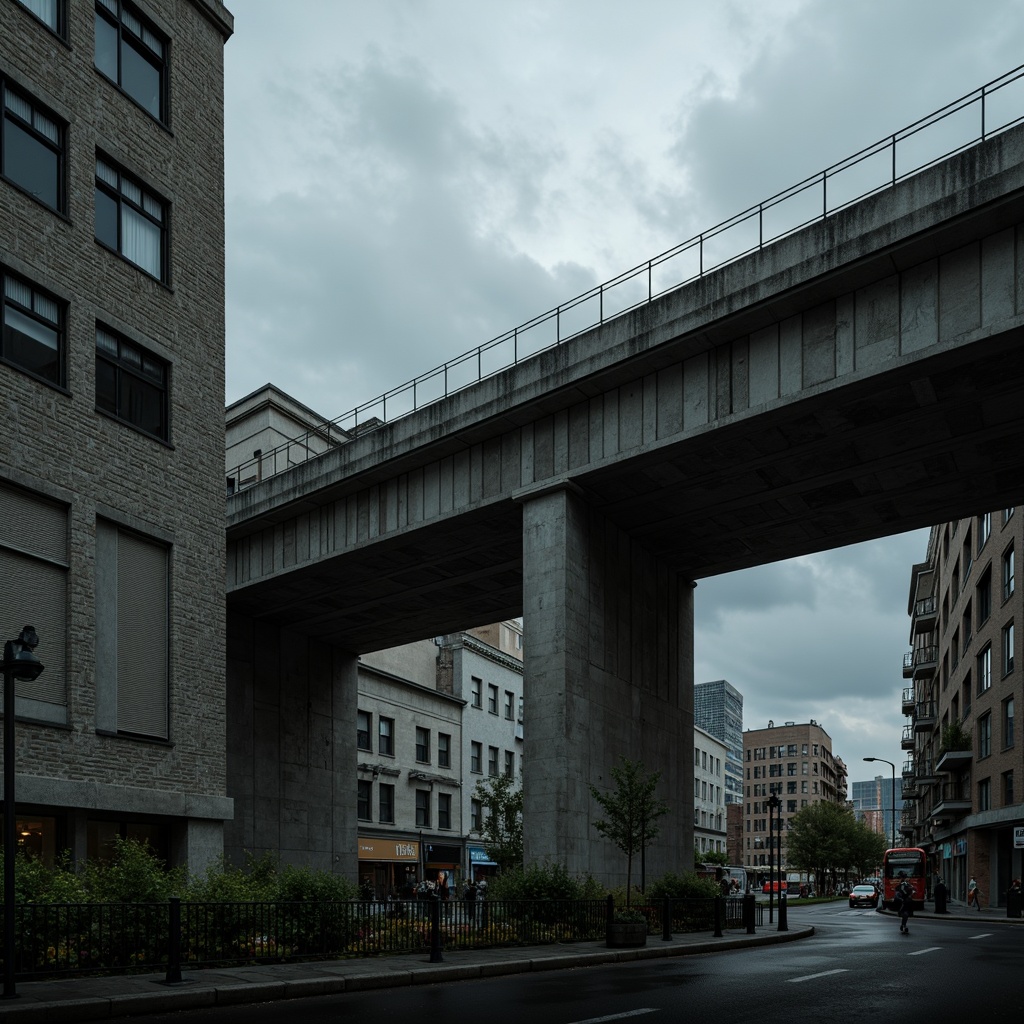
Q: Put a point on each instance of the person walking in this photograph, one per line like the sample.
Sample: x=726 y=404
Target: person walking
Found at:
x=973 y=894
x=903 y=900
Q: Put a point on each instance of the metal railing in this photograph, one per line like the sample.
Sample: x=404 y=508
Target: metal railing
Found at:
x=965 y=122
x=68 y=940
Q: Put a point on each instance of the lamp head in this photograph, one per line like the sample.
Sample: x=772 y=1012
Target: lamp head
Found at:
x=19 y=659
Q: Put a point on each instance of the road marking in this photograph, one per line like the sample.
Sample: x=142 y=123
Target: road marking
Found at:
x=983 y=935
x=930 y=949
x=617 y=1016
x=823 y=974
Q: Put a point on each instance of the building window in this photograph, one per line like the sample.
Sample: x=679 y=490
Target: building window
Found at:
x=386 y=736
x=984 y=736
x=32 y=149
x=475 y=815
x=422 y=745
x=386 y=803
x=1007 y=644
x=423 y=808
x=510 y=705
x=132 y=632
x=131 y=219
x=33 y=330
x=510 y=763
x=985 y=795
x=984 y=529
x=984 y=598
x=131 y=384
x=50 y=13
x=492 y=761
x=444 y=750
x=132 y=54
x=476 y=756
x=1008 y=789
x=364 y=788
x=34 y=560
x=985 y=669
x=1008 y=712
x=1008 y=573
x=364 y=722
x=444 y=810
x=478 y=686
x=492 y=698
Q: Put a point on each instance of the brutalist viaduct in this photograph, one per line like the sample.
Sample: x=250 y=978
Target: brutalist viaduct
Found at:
x=861 y=377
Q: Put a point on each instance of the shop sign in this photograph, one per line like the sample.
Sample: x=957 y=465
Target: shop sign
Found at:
x=961 y=847
x=389 y=849
x=1018 y=837
x=478 y=855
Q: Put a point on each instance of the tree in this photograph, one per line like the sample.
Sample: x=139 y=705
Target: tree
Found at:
x=829 y=841
x=502 y=826
x=631 y=812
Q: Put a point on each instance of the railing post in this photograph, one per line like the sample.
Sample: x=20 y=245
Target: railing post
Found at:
x=666 y=919
x=610 y=911
x=173 y=976
x=719 y=910
x=783 y=924
x=435 y=931
x=748 y=913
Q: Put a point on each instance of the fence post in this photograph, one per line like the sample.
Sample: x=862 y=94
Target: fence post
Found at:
x=719 y=910
x=783 y=923
x=610 y=913
x=666 y=919
x=173 y=976
x=435 y=931
x=748 y=913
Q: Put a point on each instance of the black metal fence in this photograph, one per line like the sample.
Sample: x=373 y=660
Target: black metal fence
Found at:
x=54 y=940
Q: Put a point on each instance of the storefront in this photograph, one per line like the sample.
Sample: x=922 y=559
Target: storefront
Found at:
x=438 y=858
x=388 y=866
x=480 y=864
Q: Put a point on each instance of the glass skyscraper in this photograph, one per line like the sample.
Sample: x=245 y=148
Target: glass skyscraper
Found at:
x=718 y=710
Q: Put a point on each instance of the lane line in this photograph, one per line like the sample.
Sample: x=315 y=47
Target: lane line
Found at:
x=983 y=935
x=930 y=949
x=617 y=1016
x=822 y=974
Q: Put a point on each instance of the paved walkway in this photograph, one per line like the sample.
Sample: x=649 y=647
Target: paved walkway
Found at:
x=108 y=997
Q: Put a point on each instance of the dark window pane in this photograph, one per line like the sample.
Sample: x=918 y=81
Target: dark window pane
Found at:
x=106 y=47
x=140 y=79
x=106 y=219
x=31 y=344
x=106 y=387
x=142 y=404
x=30 y=164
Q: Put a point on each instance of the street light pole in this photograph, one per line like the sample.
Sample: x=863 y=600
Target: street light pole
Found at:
x=893 y=767
x=19 y=663
x=773 y=806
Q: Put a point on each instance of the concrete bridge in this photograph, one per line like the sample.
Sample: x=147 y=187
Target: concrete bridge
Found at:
x=861 y=377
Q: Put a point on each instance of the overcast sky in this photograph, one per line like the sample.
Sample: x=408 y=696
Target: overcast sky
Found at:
x=407 y=179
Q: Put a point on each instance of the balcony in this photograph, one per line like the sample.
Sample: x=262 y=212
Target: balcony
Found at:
x=908 y=665
x=908 y=699
x=926 y=661
x=954 y=800
x=925 y=772
x=924 y=716
x=908 y=770
x=910 y=789
x=907 y=740
x=925 y=615
x=954 y=760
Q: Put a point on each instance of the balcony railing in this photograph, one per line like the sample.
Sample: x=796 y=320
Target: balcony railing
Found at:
x=924 y=716
x=956 y=127
x=907 y=741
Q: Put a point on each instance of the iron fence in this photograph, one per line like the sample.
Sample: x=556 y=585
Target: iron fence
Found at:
x=54 y=940
x=980 y=114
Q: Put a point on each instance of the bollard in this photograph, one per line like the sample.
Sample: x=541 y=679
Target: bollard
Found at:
x=748 y=913
x=719 y=912
x=666 y=919
x=940 y=899
x=173 y=975
x=435 y=932
x=1013 y=903
x=783 y=924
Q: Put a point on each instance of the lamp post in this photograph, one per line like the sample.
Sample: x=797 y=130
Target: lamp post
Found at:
x=19 y=663
x=893 y=767
x=773 y=809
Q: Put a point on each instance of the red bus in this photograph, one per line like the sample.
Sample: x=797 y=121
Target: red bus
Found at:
x=904 y=862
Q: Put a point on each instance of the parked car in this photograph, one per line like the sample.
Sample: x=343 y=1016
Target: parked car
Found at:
x=863 y=896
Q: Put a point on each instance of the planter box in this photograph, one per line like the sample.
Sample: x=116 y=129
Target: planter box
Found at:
x=627 y=933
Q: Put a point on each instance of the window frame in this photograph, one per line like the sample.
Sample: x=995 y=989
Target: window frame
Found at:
x=386 y=803
x=114 y=191
x=363 y=741
x=58 y=147
x=137 y=43
x=60 y=16
x=492 y=762
x=476 y=757
x=984 y=736
x=492 y=699
x=39 y=297
x=1008 y=570
x=423 y=808
x=385 y=736
x=130 y=364
x=478 y=692
x=444 y=750
x=422 y=745
x=444 y=811
x=1007 y=639
x=364 y=800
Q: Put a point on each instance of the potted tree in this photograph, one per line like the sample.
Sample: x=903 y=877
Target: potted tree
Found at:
x=631 y=811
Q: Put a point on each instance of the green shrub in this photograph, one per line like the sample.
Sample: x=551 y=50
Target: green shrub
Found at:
x=688 y=885
x=134 y=874
x=541 y=882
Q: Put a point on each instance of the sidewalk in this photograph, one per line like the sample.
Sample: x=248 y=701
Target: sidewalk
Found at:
x=109 y=997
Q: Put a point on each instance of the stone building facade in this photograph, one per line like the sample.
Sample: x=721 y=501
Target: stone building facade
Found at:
x=111 y=384
x=964 y=775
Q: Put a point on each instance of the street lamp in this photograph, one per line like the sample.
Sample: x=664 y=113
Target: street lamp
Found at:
x=773 y=809
x=893 y=767
x=19 y=663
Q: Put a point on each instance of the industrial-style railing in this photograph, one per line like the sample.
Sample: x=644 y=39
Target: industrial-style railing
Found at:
x=69 y=940
x=980 y=114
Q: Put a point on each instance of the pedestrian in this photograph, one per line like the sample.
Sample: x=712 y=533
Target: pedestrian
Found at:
x=903 y=902
x=973 y=894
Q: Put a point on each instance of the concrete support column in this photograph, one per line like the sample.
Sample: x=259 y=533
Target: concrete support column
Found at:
x=608 y=672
